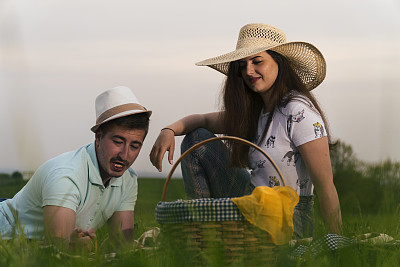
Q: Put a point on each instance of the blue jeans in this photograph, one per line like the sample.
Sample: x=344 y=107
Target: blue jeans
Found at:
x=207 y=174
x=205 y=170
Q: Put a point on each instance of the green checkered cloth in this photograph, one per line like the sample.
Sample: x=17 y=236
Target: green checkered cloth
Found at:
x=329 y=242
x=197 y=210
x=333 y=242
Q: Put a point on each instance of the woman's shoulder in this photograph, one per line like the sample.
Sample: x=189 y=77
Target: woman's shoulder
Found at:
x=295 y=102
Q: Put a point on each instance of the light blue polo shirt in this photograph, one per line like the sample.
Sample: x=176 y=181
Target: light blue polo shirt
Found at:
x=71 y=180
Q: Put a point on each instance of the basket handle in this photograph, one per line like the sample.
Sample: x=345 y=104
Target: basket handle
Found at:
x=211 y=140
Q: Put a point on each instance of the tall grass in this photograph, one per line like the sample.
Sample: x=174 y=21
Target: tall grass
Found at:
x=369 y=202
x=20 y=251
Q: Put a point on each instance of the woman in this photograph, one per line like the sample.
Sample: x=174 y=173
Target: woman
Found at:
x=266 y=100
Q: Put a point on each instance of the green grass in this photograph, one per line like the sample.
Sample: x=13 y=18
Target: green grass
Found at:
x=150 y=192
x=21 y=252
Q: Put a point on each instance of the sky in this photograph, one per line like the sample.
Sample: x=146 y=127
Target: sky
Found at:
x=56 y=56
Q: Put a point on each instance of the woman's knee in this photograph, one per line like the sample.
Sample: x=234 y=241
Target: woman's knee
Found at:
x=194 y=137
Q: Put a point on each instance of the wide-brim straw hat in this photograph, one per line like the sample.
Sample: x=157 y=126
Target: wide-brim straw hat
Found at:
x=306 y=60
x=115 y=103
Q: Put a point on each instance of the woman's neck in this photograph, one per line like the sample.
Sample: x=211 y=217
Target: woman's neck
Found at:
x=266 y=98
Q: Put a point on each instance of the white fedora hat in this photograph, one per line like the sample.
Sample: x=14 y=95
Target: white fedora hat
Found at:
x=115 y=103
x=306 y=60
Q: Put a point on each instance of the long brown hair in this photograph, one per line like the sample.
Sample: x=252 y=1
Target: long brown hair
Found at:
x=243 y=106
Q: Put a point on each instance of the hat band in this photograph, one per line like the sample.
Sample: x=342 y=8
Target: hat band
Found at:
x=118 y=109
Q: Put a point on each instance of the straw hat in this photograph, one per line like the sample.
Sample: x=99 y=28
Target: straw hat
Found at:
x=115 y=103
x=305 y=59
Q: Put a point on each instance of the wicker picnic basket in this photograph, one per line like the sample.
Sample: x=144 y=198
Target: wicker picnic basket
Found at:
x=213 y=224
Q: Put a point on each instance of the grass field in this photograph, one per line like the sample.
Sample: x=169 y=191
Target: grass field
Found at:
x=20 y=252
x=150 y=191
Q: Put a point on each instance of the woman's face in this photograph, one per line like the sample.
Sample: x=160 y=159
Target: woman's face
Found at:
x=259 y=72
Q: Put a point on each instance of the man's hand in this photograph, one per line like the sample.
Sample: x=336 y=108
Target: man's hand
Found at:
x=80 y=239
x=60 y=229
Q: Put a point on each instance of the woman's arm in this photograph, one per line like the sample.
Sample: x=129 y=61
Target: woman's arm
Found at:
x=317 y=160
x=166 y=140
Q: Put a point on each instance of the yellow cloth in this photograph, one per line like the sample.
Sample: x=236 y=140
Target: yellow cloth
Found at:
x=271 y=209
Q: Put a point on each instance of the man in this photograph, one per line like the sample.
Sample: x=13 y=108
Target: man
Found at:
x=71 y=196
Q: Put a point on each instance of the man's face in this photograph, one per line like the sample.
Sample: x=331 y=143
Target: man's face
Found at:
x=117 y=149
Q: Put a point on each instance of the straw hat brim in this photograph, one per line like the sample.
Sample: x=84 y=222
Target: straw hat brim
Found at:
x=306 y=60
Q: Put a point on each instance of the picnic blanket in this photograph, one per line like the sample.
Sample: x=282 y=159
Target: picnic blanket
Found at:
x=333 y=242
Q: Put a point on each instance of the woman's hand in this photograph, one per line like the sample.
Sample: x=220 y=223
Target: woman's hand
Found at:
x=166 y=139
x=165 y=142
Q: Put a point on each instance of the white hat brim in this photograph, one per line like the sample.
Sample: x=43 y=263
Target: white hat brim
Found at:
x=119 y=115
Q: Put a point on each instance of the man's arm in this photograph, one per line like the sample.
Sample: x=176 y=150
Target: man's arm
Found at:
x=59 y=223
x=121 y=225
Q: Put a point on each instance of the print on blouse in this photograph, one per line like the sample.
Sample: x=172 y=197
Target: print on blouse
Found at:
x=271 y=141
x=260 y=164
x=294 y=118
x=318 y=130
x=302 y=184
x=290 y=157
x=273 y=181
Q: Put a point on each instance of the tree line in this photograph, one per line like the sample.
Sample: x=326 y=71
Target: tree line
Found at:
x=365 y=187
x=10 y=179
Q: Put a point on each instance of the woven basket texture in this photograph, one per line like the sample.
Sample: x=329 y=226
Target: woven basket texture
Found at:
x=184 y=225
